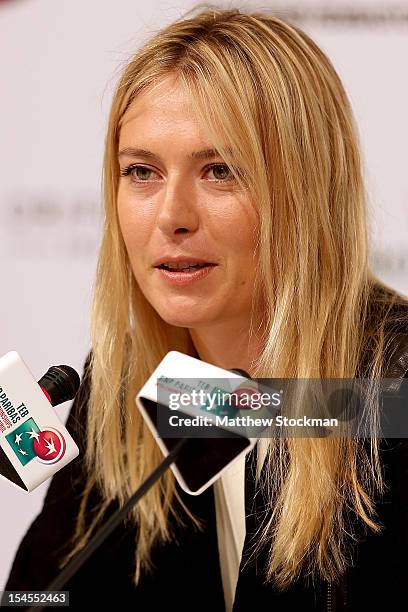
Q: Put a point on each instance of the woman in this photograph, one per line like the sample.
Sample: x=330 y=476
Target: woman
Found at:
x=231 y=145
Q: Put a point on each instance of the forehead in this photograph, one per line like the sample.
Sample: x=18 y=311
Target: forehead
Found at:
x=162 y=118
x=165 y=101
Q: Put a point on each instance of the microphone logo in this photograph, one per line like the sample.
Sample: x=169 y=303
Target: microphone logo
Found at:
x=28 y=442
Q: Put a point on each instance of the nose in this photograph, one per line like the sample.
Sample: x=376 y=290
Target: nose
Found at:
x=178 y=213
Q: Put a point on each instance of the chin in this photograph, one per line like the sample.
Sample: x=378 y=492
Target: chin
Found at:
x=182 y=321
x=187 y=319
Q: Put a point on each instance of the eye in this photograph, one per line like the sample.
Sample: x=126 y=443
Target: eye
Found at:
x=226 y=174
x=133 y=172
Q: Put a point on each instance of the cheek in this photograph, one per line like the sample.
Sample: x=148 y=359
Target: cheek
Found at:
x=134 y=221
x=240 y=234
x=245 y=255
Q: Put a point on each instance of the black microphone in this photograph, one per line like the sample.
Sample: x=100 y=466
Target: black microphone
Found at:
x=60 y=384
x=74 y=565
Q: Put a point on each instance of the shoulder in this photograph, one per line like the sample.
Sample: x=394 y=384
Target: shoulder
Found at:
x=396 y=340
x=387 y=316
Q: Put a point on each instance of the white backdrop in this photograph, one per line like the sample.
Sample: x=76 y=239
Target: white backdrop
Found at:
x=59 y=62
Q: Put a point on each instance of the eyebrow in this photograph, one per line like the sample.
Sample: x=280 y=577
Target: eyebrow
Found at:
x=134 y=152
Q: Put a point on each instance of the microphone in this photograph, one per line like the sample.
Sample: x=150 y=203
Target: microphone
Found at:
x=60 y=384
x=231 y=452
x=34 y=443
x=168 y=402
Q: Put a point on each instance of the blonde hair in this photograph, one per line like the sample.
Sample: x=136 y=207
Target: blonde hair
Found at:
x=276 y=111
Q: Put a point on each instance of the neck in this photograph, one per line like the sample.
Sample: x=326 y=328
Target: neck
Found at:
x=227 y=345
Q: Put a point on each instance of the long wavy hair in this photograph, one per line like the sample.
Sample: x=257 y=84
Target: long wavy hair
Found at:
x=276 y=111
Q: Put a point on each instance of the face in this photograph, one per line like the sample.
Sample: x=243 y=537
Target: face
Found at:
x=173 y=203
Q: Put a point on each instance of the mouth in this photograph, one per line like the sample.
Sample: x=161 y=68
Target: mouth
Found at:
x=186 y=274
x=184 y=268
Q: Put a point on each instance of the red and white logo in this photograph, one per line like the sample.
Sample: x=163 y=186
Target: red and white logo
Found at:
x=49 y=446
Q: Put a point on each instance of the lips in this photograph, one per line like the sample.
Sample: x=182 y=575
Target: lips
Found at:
x=182 y=262
x=182 y=267
x=186 y=276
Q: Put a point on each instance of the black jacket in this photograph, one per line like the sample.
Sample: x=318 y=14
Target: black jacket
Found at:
x=378 y=576
x=187 y=574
